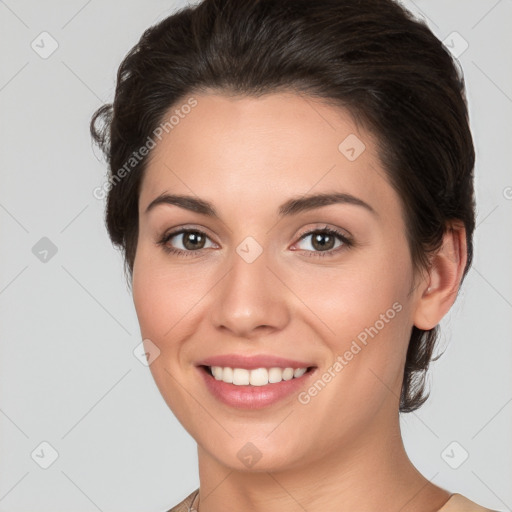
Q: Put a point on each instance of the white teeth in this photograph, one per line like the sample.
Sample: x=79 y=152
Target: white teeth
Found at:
x=256 y=377
x=259 y=377
x=275 y=375
x=227 y=375
x=288 y=374
x=299 y=372
x=217 y=372
x=240 y=376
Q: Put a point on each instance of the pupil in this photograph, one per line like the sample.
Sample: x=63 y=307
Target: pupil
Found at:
x=318 y=244
x=193 y=240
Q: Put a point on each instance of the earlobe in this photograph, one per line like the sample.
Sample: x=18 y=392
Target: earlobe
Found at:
x=439 y=289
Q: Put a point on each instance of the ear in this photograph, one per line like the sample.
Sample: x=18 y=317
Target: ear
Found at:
x=438 y=289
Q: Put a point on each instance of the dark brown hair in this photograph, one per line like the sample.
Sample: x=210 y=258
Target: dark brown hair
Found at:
x=369 y=56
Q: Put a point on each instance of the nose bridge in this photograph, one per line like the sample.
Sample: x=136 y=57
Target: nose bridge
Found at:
x=250 y=296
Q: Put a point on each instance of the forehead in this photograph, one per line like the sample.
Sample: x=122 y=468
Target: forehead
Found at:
x=245 y=148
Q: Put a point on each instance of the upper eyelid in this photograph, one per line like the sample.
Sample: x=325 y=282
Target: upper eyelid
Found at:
x=338 y=231
x=167 y=236
x=183 y=229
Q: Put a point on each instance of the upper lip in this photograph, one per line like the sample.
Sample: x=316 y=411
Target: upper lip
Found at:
x=252 y=362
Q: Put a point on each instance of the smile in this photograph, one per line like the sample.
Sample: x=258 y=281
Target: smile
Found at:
x=255 y=377
x=257 y=387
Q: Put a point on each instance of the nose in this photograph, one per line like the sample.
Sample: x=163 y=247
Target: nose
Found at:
x=251 y=299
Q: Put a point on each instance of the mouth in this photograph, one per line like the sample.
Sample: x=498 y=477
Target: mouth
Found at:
x=256 y=376
x=255 y=388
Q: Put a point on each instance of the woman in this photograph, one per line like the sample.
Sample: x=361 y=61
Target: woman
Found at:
x=291 y=183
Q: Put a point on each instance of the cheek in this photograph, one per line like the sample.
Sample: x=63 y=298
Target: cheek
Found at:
x=165 y=300
x=354 y=295
x=170 y=301
x=363 y=310
x=166 y=305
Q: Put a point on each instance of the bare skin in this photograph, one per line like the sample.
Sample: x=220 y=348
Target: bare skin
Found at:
x=343 y=449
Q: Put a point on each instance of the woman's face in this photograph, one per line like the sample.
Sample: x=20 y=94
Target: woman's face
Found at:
x=261 y=284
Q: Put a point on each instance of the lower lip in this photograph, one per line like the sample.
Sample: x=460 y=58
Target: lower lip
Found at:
x=253 y=397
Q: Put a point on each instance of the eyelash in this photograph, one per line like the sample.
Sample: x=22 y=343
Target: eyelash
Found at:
x=347 y=242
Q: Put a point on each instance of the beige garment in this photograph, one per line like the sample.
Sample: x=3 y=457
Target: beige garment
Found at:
x=184 y=506
x=459 y=503
x=456 y=503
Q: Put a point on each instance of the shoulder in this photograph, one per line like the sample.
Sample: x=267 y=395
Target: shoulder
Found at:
x=184 y=506
x=456 y=503
x=459 y=503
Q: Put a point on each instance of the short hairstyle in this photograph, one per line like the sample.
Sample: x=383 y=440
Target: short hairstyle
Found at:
x=371 y=57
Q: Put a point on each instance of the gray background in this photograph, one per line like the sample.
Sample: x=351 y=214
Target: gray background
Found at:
x=68 y=327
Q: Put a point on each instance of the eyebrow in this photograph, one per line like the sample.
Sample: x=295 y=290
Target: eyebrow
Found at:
x=291 y=207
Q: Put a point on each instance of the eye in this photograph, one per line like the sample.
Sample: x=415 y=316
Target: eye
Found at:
x=324 y=241
x=185 y=241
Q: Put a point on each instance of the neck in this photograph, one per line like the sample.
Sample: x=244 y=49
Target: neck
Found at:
x=366 y=473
